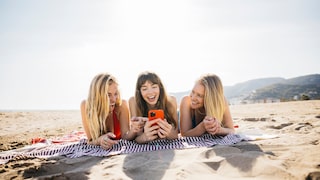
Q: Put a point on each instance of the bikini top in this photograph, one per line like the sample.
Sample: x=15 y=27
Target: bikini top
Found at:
x=116 y=125
x=193 y=119
x=194 y=123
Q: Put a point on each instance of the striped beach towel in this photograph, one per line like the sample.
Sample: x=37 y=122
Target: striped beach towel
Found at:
x=82 y=148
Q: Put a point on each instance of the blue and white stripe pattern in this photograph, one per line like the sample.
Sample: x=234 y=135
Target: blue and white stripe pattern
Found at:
x=81 y=148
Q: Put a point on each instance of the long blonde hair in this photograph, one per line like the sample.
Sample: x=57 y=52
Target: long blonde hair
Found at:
x=97 y=105
x=214 y=100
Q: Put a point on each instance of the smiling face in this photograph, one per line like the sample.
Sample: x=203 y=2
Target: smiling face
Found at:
x=113 y=95
x=197 y=96
x=150 y=93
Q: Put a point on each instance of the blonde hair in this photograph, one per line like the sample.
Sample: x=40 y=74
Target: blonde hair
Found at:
x=97 y=105
x=214 y=100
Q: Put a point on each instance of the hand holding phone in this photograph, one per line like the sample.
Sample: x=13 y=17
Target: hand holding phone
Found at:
x=155 y=114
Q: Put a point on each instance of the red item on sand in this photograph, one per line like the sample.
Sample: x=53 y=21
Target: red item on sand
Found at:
x=37 y=140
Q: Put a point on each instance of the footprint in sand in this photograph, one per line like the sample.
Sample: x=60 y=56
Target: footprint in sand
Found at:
x=257 y=119
x=303 y=125
x=280 y=126
x=313 y=175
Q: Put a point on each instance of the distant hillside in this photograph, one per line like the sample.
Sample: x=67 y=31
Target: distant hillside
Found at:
x=273 y=88
x=303 y=87
x=286 y=92
x=245 y=88
x=304 y=80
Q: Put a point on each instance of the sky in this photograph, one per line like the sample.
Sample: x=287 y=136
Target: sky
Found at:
x=51 y=50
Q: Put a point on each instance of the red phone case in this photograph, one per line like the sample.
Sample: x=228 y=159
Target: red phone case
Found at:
x=155 y=113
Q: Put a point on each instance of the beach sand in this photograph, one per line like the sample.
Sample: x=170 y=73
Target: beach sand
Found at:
x=293 y=154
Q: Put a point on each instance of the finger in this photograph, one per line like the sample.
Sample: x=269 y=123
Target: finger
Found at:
x=163 y=123
x=149 y=136
x=133 y=119
x=148 y=124
x=161 y=135
x=153 y=137
x=112 y=142
x=111 y=135
x=104 y=144
x=166 y=127
x=107 y=145
x=144 y=119
x=208 y=118
x=215 y=129
x=154 y=132
x=207 y=126
x=152 y=124
x=135 y=125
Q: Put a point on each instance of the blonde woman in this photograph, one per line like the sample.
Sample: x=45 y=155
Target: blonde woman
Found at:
x=206 y=109
x=105 y=116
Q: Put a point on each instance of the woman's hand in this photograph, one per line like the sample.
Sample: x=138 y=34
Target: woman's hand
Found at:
x=164 y=128
x=137 y=124
x=212 y=125
x=107 y=140
x=151 y=130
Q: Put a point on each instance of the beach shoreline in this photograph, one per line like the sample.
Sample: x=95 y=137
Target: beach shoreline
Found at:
x=293 y=154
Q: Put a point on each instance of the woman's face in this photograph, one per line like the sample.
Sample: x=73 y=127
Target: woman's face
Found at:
x=150 y=92
x=113 y=95
x=197 y=96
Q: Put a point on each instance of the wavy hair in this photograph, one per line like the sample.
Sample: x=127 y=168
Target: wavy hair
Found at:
x=214 y=100
x=97 y=105
x=162 y=103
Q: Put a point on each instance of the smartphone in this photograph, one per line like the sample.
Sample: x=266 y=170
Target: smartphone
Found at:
x=155 y=114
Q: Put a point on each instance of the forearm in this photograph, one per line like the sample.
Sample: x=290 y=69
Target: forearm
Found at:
x=141 y=139
x=130 y=135
x=173 y=134
x=225 y=131
x=197 y=131
x=96 y=141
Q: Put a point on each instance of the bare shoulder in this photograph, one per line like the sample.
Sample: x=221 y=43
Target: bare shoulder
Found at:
x=131 y=100
x=172 y=98
x=124 y=106
x=83 y=104
x=124 y=103
x=132 y=106
x=185 y=99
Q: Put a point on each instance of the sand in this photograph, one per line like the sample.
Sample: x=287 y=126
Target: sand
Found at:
x=293 y=154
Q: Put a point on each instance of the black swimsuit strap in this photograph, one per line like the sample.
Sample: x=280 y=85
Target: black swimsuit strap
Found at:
x=194 y=123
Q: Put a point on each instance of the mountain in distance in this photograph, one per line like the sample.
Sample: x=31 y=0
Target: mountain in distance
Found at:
x=244 y=88
x=298 y=88
x=273 y=89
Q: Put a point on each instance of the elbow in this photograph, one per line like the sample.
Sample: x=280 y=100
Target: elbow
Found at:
x=232 y=131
